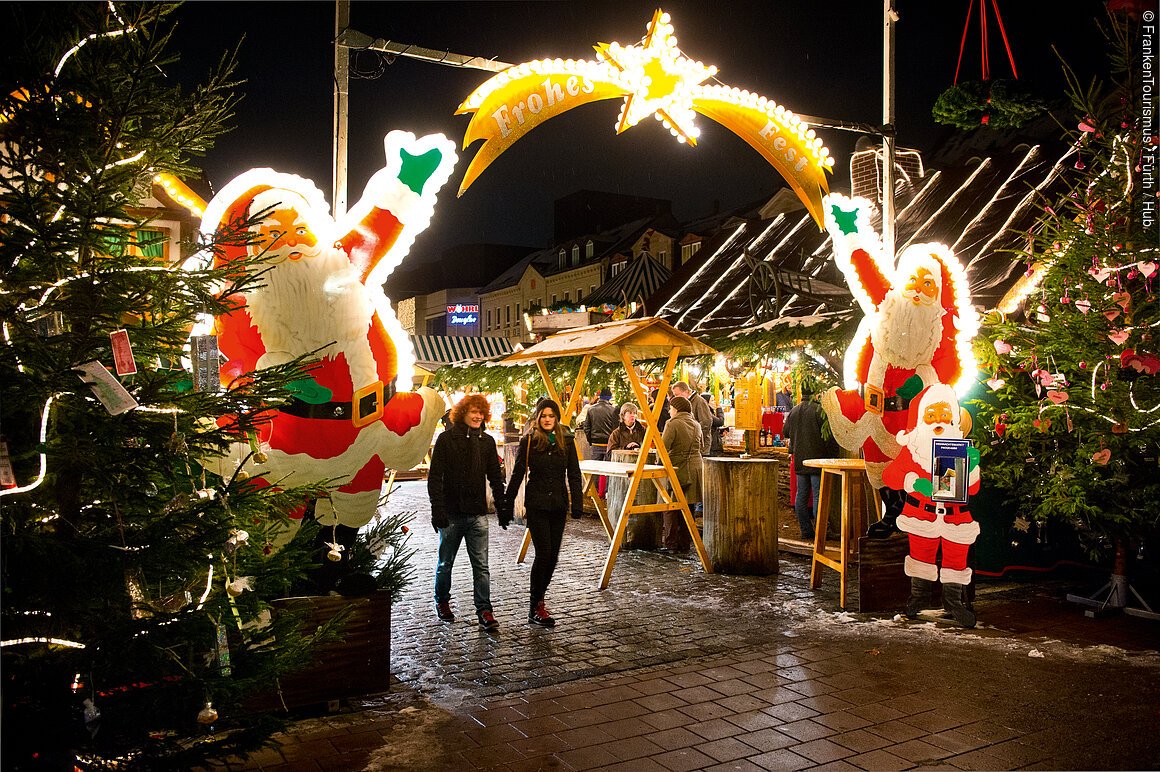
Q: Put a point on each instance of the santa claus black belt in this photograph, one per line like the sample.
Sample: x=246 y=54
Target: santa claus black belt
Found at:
x=366 y=406
x=891 y=404
x=950 y=509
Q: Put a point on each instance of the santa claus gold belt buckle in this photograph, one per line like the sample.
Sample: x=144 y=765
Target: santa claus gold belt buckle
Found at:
x=368 y=404
x=874 y=399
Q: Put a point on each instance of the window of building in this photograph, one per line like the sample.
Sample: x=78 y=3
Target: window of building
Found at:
x=618 y=267
x=663 y=256
x=563 y=259
x=591 y=289
x=589 y=249
x=566 y=298
x=579 y=294
x=687 y=250
x=576 y=255
x=488 y=327
x=553 y=299
x=507 y=316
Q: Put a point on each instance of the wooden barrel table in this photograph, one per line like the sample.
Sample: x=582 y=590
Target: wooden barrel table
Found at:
x=644 y=530
x=741 y=514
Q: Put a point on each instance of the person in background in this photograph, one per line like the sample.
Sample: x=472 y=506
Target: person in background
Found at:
x=598 y=424
x=700 y=411
x=783 y=400
x=629 y=434
x=715 y=445
x=682 y=439
x=549 y=469
x=803 y=433
x=664 y=414
x=463 y=461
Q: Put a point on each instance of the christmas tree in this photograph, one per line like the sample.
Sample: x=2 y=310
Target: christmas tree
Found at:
x=1072 y=434
x=135 y=582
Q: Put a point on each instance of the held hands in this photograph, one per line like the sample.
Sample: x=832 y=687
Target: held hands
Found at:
x=505 y=515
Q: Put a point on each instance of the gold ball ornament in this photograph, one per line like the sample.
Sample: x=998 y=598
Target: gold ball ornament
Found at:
x=260 y=457
x=334 y=555
x=241 y=475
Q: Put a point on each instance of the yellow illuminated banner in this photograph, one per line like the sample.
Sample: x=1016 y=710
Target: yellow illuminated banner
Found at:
x=654 y=78
x=778 y=135
x=521 y=98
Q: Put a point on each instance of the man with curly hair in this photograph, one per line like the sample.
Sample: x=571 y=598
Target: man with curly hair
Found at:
x=463 y=462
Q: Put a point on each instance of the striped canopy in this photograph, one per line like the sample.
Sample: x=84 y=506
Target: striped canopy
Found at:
x=636 y=283
x=435 y=351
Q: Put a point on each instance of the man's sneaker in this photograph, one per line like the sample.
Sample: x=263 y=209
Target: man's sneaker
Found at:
x=488 y=620
x=443 y=608
x=540 y=616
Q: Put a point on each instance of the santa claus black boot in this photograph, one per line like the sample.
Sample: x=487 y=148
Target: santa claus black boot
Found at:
x=919 y=597
x=955 y=601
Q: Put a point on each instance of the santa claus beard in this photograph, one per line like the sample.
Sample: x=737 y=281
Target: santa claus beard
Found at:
x=312 y=303
x=907 y=333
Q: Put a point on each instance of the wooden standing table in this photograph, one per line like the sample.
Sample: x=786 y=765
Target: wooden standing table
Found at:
x=589 y=472
x=857 y=498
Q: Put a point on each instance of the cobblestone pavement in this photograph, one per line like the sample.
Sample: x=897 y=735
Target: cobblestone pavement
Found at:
x=674 y=669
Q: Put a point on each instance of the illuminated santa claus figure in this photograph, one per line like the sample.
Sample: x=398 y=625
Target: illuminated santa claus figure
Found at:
x=916 y=331
x=319 y=294
x=934 y=525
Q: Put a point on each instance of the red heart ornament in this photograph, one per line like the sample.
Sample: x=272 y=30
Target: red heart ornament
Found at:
x=1083 y=306
x=1119 y=429
x=1042 y=424
x=1147 y=268
x=1102 y=457
x=1119 y=337
x=1123 y=300
x=1057 y=397
x=1002 y=347
x=1112 y=314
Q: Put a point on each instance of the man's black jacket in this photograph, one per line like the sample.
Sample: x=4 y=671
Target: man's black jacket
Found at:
x=456 y=479
x=599 y=422
x=546 y=471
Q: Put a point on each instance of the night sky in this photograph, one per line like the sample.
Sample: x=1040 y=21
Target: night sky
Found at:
x=819 y=58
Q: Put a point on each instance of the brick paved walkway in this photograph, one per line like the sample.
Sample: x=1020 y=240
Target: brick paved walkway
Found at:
x=673 y=669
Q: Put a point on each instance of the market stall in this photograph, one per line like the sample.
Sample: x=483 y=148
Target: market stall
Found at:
x=627 y=341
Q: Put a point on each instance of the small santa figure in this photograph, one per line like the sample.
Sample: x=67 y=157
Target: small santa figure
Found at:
x=931 y=523
x=319 y=294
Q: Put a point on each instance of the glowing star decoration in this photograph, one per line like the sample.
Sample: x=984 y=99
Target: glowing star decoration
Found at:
x=654 y=78
x=916 y=332
x=663 y=80
x=320 y=296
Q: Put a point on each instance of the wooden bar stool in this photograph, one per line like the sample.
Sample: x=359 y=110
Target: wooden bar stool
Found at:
x=860 y=506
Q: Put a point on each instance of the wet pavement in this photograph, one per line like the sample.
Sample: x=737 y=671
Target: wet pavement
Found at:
x=674 y=669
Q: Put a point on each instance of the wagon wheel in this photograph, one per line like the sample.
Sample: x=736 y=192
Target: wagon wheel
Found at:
x=762 y=285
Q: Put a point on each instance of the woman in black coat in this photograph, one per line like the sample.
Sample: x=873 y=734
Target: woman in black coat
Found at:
x=549 y=469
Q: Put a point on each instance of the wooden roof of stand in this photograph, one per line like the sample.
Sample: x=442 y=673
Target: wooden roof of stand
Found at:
x=648 y=338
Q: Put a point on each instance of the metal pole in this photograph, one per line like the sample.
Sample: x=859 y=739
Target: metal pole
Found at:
x=341 y=105
x=889 y=17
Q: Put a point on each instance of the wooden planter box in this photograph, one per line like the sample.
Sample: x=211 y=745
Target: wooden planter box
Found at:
x=357 y=665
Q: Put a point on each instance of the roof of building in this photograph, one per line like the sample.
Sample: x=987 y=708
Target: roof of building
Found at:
x=754 y=270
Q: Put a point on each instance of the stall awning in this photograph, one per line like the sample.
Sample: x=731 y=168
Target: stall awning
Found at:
x=635 y=284
x=434 y=351
x=648 y=338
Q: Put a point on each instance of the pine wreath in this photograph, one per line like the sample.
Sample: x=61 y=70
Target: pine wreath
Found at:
x=998 y=104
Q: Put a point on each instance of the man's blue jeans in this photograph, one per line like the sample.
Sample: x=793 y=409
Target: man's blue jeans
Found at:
x=807 y=514
x=473 y=530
